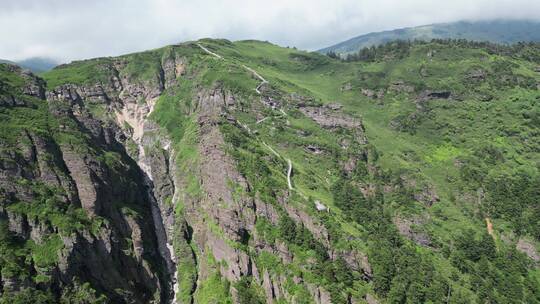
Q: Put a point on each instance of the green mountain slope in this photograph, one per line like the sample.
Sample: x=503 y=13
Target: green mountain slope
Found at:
x=221 y=172
x=497 y=31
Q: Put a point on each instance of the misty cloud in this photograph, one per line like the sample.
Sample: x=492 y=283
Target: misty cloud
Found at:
x=77 y=29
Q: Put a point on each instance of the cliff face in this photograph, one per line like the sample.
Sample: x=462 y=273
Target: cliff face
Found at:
x=76 y=205
x=181 y=175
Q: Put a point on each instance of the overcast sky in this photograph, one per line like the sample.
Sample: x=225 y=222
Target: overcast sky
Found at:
x=78 y=29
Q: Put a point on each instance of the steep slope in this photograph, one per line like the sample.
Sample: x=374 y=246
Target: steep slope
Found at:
x=496 y=31
x=220 y=172
x=74 y=204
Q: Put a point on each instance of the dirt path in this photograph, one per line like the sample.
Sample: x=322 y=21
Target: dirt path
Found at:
x=263 y=81
x=261 y=120
x=209 y=52
x=257 y=89
x=489 y=227
x=289 y=174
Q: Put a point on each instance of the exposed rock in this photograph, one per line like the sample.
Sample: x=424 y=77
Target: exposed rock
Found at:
x=401 y=87
x=427 y=195
x=271 y=102
x=318 y=230
x=358 y=261
x=314 y=149
x=268 y=287
x=350 y=165
x=331 y=119
x=267 y=211
x=344 y=143
x=7 y=100
x=18 y=225
x=346 y=87
x=238 y=263
x=320 y=207
x=476 y=74
x=300 y=100
x=424 y=72
x=39 y=230
x=369 y=93
x=13 y=283
x=172 y=69
x=218 y=172
x=283 y=252
x=334 y=106
x=379 y=94
x=33 y=86
x=85 y=180
x=409 y=229
x=528 y=248
x=370 y=299
x=319 y=294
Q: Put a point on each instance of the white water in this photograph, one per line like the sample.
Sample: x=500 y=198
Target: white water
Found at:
x=136 y=115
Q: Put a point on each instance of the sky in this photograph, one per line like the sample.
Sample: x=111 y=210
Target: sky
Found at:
x=67 y=30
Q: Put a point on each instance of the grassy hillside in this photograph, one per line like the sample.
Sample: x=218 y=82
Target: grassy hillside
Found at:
x=457 y=120
x=498 y=31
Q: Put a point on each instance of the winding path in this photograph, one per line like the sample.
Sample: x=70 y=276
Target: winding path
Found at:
x=289 y=174
x=209 y=52
x=263 y=81
x=257 y=89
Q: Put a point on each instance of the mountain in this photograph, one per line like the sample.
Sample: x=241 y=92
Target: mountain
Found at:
x=35 y=64
x=496 y=31
x=6 y=61
x=38 y=64
x=244 y=172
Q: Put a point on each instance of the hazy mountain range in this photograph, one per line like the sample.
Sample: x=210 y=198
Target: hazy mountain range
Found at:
x=498 y=31
x=35 y=64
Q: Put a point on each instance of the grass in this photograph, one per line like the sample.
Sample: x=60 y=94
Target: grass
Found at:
x=214 y=289
x=45 y=255
x=491 y=123
x=448 y=131
x=79 y=73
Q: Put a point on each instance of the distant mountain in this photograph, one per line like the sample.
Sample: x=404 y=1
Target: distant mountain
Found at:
x=6 y=61
x=35 y=64
x=498 y=31
x=38 y=64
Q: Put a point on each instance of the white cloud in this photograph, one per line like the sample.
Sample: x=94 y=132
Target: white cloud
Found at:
x=76 y=29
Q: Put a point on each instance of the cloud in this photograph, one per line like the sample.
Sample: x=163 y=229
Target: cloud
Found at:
x=77 y=29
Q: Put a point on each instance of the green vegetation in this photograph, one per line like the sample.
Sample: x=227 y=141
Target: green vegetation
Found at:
x=494 y=31
x=79 y=73
x=436 y=150
x=246 y=293
x=215 y=288
x=453 y=137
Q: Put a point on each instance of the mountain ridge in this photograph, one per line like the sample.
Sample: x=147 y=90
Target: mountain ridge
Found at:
x=496 y=31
